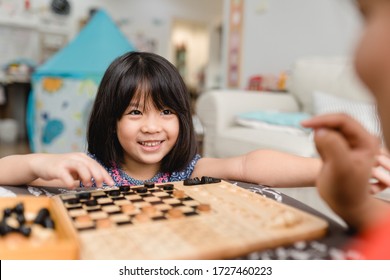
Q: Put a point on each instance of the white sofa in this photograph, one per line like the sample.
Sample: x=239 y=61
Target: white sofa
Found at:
x=223 y=137
x=217 y=109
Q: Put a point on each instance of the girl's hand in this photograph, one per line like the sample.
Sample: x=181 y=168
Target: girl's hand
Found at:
x=70 y=169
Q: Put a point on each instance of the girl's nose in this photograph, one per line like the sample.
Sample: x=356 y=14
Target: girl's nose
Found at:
x=151 y=124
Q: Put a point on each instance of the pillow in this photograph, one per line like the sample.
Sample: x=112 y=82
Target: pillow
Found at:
x=365 y=113
x=281 y=121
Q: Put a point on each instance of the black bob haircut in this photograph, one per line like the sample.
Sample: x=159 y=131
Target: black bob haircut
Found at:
x=124 y=80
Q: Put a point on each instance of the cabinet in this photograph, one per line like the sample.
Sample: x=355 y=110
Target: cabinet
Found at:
x=30 y=38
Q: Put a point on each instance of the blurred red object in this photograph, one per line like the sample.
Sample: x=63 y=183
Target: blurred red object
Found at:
x=255 y=83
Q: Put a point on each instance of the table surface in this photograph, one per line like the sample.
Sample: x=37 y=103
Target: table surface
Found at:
x=327 y=247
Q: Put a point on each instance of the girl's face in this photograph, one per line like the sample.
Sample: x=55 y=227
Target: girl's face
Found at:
x=147 y=134
x=372 y=57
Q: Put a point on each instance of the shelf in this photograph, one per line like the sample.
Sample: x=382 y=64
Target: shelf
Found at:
x=19 y=21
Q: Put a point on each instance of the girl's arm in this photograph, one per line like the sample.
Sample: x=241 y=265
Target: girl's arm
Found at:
x=52 y=170
x=266 y=167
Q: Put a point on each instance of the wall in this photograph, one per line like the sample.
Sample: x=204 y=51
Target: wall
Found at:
x=150 y=19
x=277 y=32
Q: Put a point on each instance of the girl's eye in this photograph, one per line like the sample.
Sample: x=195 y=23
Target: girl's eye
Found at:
x=135 y=112
x=167 y=112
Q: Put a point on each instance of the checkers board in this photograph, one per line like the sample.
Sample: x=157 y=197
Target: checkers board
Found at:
x=217 y=220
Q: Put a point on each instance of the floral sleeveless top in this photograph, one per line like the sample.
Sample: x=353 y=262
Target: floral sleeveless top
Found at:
x=122 y=179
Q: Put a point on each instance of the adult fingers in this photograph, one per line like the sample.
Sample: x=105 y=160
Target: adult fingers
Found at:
x=384 y=151
x=383 y=161
x=377 y=188
x=353 y=131
x=331 y=146
x=382 y=175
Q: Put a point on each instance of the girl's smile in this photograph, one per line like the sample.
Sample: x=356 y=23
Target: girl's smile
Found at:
x=151 y=145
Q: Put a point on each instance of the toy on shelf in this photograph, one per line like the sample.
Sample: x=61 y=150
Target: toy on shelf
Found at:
x=268 y=82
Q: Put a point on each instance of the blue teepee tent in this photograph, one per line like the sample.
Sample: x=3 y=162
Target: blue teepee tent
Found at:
x=65 y=86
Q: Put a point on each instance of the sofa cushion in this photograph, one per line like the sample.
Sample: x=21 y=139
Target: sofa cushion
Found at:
x=289 y=122
x=363 y=112
x=334 y=75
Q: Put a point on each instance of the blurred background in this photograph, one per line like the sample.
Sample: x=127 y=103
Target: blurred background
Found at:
x=53 y=53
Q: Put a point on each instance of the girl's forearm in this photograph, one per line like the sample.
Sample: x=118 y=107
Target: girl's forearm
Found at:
x=17 y=169
x=280 y=169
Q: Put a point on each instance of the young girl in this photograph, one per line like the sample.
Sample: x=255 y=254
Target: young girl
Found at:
x=140 y=130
